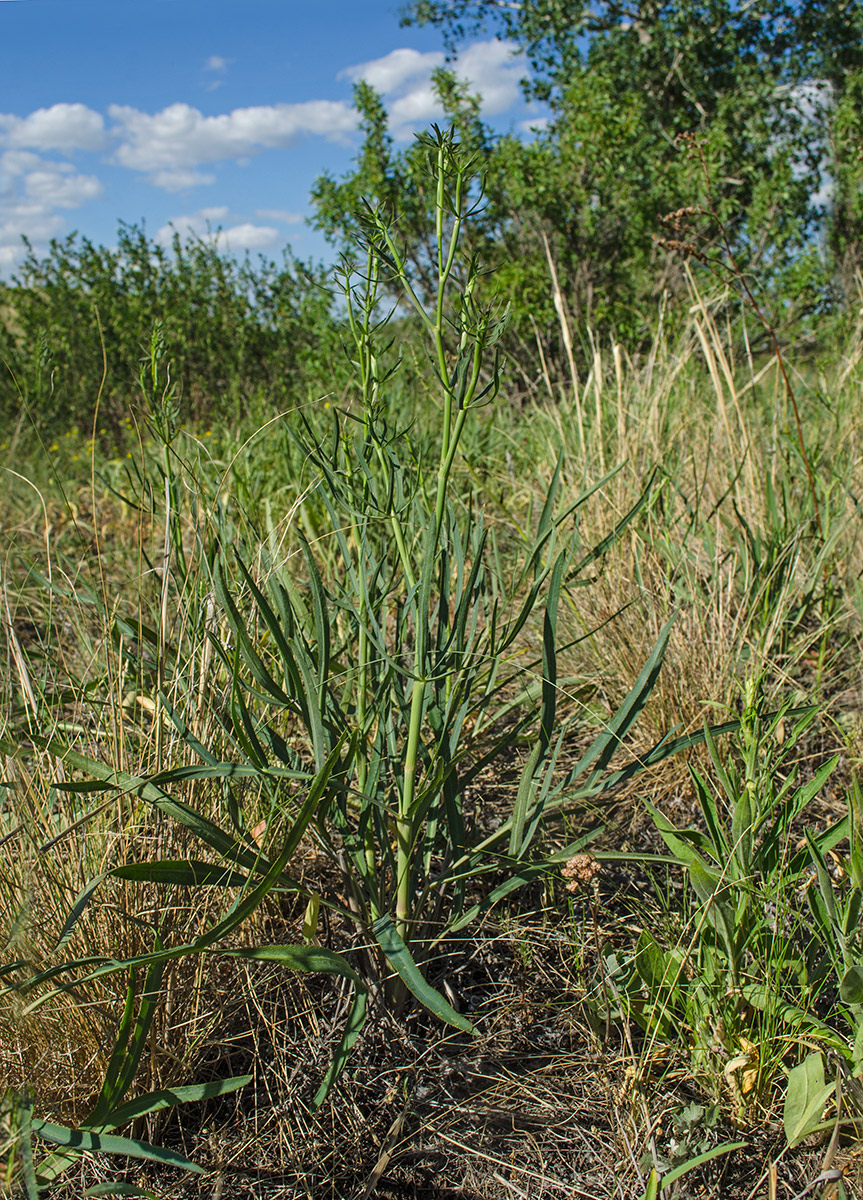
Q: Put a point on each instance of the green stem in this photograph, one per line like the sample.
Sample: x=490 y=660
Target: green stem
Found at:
x=404 y=821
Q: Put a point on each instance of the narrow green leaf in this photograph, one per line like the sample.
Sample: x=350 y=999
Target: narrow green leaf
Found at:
x=301 y=958
x=120 y=1189
x=652 y=1189
x=318 y=959
x=223 y=843
x=182 y=872
x=139 y=1035
x=118 y=1054
x=244 y=642
x=608 y=541
x=107 y=1143
x=607 y=743
x=401 y=960
x=81 y=901
x=22 y=1129
x=152 y=1102
x=699 y=1160
x=353 y=1026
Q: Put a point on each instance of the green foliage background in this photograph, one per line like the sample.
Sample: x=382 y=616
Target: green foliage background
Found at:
x=744 y=120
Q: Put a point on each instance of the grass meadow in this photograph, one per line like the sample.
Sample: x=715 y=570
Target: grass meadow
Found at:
x=438 y=789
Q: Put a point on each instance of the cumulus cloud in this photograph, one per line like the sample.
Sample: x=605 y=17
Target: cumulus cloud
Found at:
x=213 y=225
x=279 y=214
x=492 y=69
x=179 y=179
x=395 y=69
x=32 y=190
x=180 y=137
x=533 y=125
x=63 y=127
x=178 y=147
x=60 y=186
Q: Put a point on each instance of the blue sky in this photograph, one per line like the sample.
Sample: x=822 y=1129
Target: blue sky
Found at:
x=195 y=114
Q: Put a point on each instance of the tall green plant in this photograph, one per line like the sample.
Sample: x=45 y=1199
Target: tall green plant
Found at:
x=405 y=632
x=359 y=688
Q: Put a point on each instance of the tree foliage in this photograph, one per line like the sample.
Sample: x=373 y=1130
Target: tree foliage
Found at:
x=740 y=112
x=75 y=325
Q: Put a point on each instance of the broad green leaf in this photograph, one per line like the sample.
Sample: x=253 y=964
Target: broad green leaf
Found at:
x=651 y=965
x=675 y=839
x=805 y=1097
x=709 y=887
x=741 y=830
x=851 y=985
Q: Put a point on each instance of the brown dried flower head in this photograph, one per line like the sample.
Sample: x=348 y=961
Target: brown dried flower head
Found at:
x=580 y=870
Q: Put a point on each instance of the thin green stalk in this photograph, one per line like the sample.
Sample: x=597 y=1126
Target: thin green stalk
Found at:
x=404 y=822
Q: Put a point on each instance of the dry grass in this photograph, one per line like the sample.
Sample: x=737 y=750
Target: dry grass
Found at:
x=555 y=1096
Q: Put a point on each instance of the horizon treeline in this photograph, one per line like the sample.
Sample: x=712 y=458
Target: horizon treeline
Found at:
x=718 y=138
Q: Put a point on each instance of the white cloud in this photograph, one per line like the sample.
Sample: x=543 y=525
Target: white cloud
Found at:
x=178 y=147
x=178 y=179
x=389 y=73
x=279 y=214
x=32 y=189
x=17 y=162
x=215 y=65
x=533 y=125
x=210 y=225
x=419 y=107
x=247 y=236
x=180 y=137
x=492 y=69
x=10 y=256
x=60 y=186
x=63 y=127
x=34 y=221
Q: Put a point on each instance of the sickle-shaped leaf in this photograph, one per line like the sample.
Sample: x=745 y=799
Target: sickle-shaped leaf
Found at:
x=400 y=958
x=107 y=1143
x=152 y=1102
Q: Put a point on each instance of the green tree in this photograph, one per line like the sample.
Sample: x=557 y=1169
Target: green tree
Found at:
x=75 y=325
x=628 y=85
